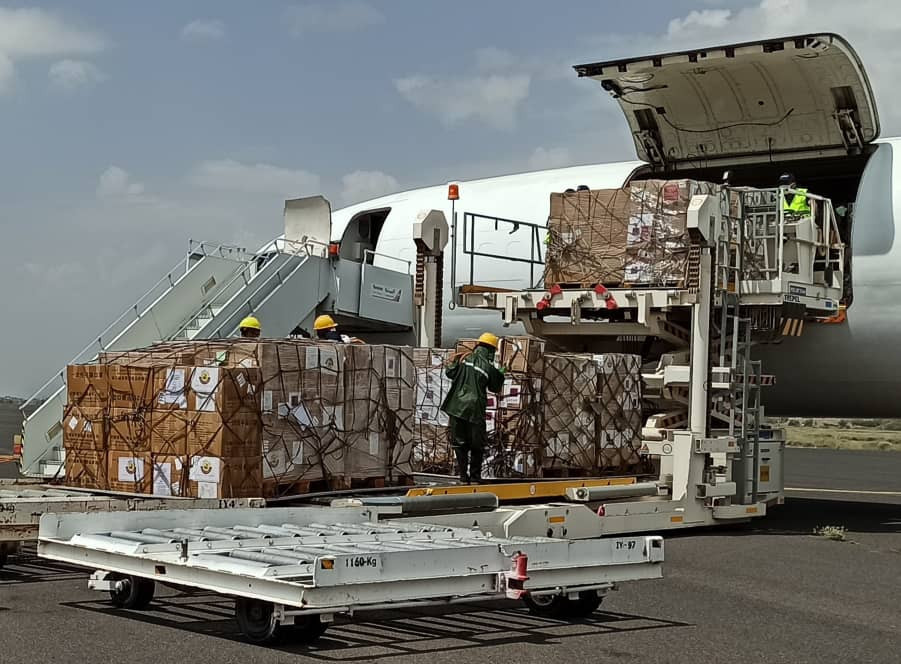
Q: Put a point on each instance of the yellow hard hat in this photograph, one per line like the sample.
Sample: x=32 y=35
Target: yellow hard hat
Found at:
x=488 y=339
x=250 y=323
x=324 y=322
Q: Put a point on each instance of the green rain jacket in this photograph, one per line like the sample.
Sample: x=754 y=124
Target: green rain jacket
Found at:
x=472 y=376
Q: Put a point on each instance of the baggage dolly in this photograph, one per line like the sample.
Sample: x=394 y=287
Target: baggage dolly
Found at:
x=292 y=570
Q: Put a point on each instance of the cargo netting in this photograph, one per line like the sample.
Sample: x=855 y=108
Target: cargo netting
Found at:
x=614 y=237
x=241 y=418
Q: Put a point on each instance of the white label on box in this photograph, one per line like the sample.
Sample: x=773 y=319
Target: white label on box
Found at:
x=373 y=443
x=73 y=423
x=282 y=411
x=174 y=391
x=207 y=489
x=131 y=469
x=205 y=383
x=176 y=488
x=241 y=380
x=267 y=401
x=311 y=358
x=162 y=478
x=390 y=365
x=436 y=360
x=205 y=469
x=297 y=453
x=246 y=363
x=301 y=415
x=88 y=427
x=178 y=464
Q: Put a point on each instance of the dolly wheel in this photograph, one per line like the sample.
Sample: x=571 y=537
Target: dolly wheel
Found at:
x=136 y=592
x=257 y=621
x=551 y=606
x=586 y=604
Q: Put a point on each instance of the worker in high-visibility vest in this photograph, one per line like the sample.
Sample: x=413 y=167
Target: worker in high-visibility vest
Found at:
x=794 y=203
x=250 y=328
x=466 y=404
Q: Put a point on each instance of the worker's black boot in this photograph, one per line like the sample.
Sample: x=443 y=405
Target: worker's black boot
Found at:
x=462 y=463
x=475 y=466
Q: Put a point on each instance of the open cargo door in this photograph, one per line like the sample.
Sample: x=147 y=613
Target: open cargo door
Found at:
x=774 y=100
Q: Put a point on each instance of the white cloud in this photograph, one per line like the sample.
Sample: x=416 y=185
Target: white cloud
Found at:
x=492 y=100
x=701 y=20
x=363 y=185
x=542 y=158
x=74 y=74
x=334 y=16
x=35 y=32
x=116 y=183
x=203 y=30
x=231 y=175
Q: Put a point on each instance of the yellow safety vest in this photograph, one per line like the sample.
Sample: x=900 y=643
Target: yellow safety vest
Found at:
x=798 y=204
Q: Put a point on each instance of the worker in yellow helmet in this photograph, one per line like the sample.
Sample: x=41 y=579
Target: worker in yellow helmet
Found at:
x=327 y=329
x=250 y=328
x=467 y=404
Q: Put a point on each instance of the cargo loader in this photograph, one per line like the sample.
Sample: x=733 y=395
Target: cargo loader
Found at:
x=754 y=273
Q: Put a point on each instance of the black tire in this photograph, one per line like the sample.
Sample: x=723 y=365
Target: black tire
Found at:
x=587 y=603
x=259 y=625
x=137 y=593
x=3 y=557
x=548 y=606
x=256 y=620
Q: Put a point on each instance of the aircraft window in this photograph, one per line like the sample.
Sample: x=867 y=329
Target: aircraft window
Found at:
x=873 y=226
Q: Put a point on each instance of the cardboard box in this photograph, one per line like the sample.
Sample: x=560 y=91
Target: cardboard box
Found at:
x=466 y=345
x=658 y=241
x=592 y=411
x=83 y=427
x=169 y=432
x=234 y=434
x=522 y=355
x=128 y=471
x=129 y=431
x=87 y=385
x=587 y=232
x=223 y=389
x=86 y=468
x=168 y=475
x=224 y=477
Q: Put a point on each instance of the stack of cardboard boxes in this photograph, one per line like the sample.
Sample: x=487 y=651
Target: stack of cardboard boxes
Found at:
x=234 y=419
x=592 y=412
x=432 y=448
x=636 y=235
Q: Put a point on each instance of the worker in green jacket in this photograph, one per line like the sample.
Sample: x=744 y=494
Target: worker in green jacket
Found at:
x=794 y=203
x=467 y=404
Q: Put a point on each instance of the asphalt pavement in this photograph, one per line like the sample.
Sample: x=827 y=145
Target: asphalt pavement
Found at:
x=767 y=592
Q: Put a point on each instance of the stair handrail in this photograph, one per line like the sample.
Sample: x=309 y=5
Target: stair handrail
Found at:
x=137 y=309
x=276 y=246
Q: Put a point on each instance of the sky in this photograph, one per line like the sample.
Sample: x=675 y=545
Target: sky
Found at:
x=128 y=128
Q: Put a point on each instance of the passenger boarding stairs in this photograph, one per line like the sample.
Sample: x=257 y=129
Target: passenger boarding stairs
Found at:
x=204 y=296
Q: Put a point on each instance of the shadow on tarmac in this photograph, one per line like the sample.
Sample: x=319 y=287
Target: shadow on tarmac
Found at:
x=380 y=634
x=25 y=567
